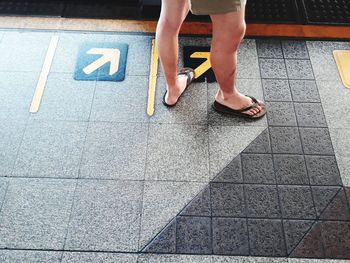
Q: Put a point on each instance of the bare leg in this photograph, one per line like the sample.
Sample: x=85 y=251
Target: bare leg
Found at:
x=172 y=15
x=228 y=32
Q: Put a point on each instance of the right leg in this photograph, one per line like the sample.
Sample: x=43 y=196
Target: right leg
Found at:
x=172 y=15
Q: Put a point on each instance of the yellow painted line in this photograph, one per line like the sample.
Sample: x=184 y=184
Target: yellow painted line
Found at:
x=205 y=66
x=342 y=58
x=34 y=107
x=152 y=80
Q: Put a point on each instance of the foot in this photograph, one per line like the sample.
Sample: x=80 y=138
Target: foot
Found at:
x=238 y=101
x=174 y=93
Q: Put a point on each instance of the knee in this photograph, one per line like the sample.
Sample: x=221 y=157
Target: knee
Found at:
x=168 y=25
x=229 y=43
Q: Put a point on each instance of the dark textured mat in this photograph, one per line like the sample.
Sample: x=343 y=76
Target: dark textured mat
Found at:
x=47 y=8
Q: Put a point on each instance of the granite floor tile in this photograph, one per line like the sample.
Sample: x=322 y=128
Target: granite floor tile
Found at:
x=17 y=256
x=323 y=195
x=232 y=173
x=290 y=169
x=121 y=101
x=336 y=238
x=341 y=142
x=297 y=202
x=161 y=202
x=15 y=47
x=3 y=190
x=304 y=91
x=165 y=241
x=226 y=142
x=51 y=149
x=154 y=258
x=276 y=90
x=262 y=144
x=269 y=48
x=323 y=170
x=273 y=68
x=115 y=151
x=251 y=87
x=258 y=169
x=248 y=64
x=281 y=114
x=87 y=257
x=16 y=94
x=299 y=69
x=186 y=153
x=193 y=235
x=227 y=259
x=296 y=49
x=338 y=208
x=344 y=169
x=310 y=115
x=294 y=231
x=295 y=260
x=316 y=141
x=35 y=213
x=262 y=201
x=200 y=205
x=105 y=216
x=266 y=238
x=11 y=134
x=230 y=236
x=190 y=109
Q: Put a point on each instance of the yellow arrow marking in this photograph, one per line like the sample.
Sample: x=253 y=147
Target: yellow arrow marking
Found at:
x=152 y=80
x=342 y=58
x=205 y=66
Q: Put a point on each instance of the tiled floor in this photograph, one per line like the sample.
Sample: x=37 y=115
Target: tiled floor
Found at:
x=92 y=178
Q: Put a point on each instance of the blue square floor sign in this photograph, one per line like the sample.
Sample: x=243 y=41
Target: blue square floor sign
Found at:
x=101 y=61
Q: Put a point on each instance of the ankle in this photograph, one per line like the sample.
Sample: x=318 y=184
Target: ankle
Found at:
x=226 y=95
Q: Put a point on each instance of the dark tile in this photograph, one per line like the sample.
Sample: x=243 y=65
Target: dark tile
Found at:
x=230 y=236
x=193 y=235
x=296 y=202
x=299 y=69
x=323 y=195
x=261 y=144
x=316 y=141
x=276 y=90
x=269 y=48
x=295 y=49
x=338 y=209
x=266 y=238
x=310 y=115
x=258 y=168
x=281 y=114
x=227 y=200
x=294 y=231
x=272 y=69
x=336 y=239
x=199 y=206
x=290 y=169
x=262 y=201
x=304 y=91
x=231 y=173
x=323 y=170
x=285 y=140
x=311 y=245
x=347 y=193
x=165 y=241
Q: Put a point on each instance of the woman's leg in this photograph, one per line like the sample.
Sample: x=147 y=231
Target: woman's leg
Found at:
x=172 y=15
x=228 y=32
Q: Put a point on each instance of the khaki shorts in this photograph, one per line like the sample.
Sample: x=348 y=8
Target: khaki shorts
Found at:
x=211 y=7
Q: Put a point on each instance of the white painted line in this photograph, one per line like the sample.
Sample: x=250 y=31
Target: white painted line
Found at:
x=34 y=107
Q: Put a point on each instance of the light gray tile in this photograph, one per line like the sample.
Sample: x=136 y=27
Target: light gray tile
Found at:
x=161 y=202
x=295 y=260
x=299 y=69
x=344 y=169
x=24 y=51
x=16 y=93
x=87 y=257
x=178 y=153
x=115 y=151
x=67 y=50
x=152 y=258
x=11 y=134
x=226 y=142
x=321 y=56
x=21 y=256
x=35 y=214
x=105 y=216
x=51 y=149
x=341 y=141
x=121 y=101
x=3 y=190
x=66 y=99
x=251 y=87
x=139 y=53
x=248 y=64
x=190 y=109
x=335 y=101
x=295 y=49
x=227 y=259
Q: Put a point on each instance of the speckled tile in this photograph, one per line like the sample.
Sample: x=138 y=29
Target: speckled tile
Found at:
x=276 y=90
x=258 y=168
x=165 y=241
x=85 y=257
x=323 y=195
x=269 y=48
x=227 y=259
x=273 y=68
x=290 y=169
x=295 y=49
x=310 y=115
x=294 y=231
x=154 y=258
x=285 y=140
x=316 y=141
x=299 y=69
x=304 y=91
x=281 y=114
x=17 y=256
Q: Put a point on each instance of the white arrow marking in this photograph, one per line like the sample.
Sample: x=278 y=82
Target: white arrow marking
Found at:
x=108 y=55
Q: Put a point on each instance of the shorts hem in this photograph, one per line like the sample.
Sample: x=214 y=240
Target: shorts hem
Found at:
x=217 y=12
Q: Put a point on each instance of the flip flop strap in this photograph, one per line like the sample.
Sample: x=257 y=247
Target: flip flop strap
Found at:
x=187 y=72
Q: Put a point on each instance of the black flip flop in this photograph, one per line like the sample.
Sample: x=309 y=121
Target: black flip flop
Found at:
x=240 y=113
x=190 y=78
